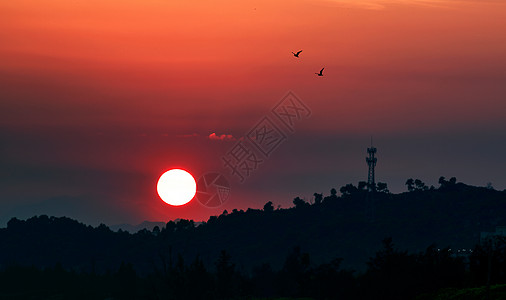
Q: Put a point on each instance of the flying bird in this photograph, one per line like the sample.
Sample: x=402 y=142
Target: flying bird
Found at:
x=321 y=72
x=297 y=54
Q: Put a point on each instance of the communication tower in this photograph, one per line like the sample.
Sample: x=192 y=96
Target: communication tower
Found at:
x=371 y=184
x=371 y=162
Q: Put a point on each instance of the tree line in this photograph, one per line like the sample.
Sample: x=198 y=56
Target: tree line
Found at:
x=391 y=274
x=251 y=254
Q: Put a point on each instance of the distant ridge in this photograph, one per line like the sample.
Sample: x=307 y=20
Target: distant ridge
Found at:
x=148 y=225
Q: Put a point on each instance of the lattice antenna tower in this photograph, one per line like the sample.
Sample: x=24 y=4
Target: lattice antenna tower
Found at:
x=371 y=162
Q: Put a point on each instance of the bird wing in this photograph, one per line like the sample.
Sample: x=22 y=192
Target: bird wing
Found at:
x=299 y=52
x=321 y=71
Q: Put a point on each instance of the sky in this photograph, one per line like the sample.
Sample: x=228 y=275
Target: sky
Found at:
x=99 y=98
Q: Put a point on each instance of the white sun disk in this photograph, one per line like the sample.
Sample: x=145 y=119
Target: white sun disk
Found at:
x=176 y=187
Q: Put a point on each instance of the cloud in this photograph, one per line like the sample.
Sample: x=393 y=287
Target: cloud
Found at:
x=224 y=137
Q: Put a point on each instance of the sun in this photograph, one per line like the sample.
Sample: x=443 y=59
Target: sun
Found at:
x=176 y=187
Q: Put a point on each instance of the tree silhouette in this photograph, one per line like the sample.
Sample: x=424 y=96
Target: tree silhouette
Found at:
x=420 y=186
x=348 y=190
x=410 y=184
x=329 y=281
x=225 y=276
x=199 y=281
x=293 y=278
x=442 y=181
x=268 y=207
x=184 y=224
x=318 y=198
x=156 y=230
x=444 y=184
x=382 y=188
x=170 y=227
x=332 y=198
x=127 y=279
x=299 y=203
x=391 y=273
x=264 y=280
x=362 y=185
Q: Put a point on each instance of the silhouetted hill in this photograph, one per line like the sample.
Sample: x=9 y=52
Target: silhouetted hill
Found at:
x=337 y=227
x=135 y=228
x=148 y=225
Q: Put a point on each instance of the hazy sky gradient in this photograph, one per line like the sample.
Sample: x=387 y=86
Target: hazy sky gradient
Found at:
x=98 y=98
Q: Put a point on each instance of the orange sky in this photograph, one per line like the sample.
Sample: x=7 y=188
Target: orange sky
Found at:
x=158 y=48
x=164 y=69
x=120 y=51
